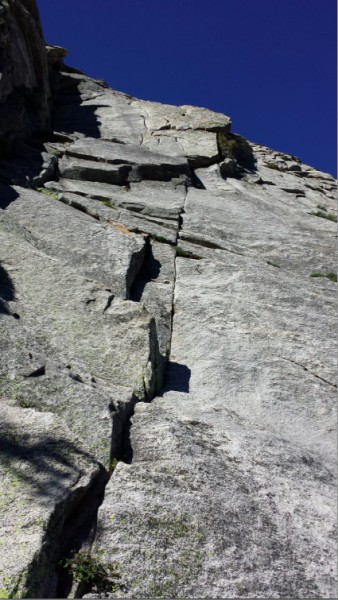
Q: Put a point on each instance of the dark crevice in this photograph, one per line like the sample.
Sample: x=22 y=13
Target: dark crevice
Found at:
x=237 y=151
x=76 y=377
x=127 y=456
x=79 y=522
x=135 y=267
x=74 y=118
x=182 y=253
x=113 y=139
x=38 y=372
x=200 y=242
x=309 y=371
x=98 y=159
x=7 y=196
x=125 y=452
x=161 y=239
x=109 y=301
x=50 y=136
x=177 y=378
x=78 y=532
x=180 y=220
x=7 y=290
x=78 y=206
x=207 y=244
x=149 y=271
x=141 y=211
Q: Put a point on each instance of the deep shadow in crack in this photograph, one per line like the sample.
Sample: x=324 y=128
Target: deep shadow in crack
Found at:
x=7 y=195
x=177 y=378
x=196 y=182
x=7 y=290
x=127 y=449
x=121 y=414
x=68 y=113
x=149 y=271
x=78 y=531
x=74 y=118
x=27 y=165
x=239 y=151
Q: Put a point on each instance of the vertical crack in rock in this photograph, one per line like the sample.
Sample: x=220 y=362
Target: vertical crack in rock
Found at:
x=79 y=531
x=147 y=271
x=77 y=522
x=71 y=528
x=154 y=384
x=135 y=265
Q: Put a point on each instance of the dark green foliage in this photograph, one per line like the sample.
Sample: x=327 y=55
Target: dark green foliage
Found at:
x=159 y=238
x=186 y=254
x=106 y=202
x=235 y=147
x=332 y=276
x=113 y=465
x=90 y=570
x=325 y=215
x=48 y=193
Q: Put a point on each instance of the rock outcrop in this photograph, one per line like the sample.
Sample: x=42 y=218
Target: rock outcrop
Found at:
x=24 y=89
x=167 y=378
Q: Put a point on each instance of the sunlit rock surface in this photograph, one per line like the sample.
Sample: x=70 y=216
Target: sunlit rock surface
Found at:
x=167 y=373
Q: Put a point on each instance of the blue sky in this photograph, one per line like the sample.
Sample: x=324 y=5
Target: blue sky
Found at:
x=268 y=64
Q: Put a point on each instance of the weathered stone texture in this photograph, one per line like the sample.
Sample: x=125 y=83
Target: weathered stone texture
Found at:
x=166 y=330
x=231 y=488
x=44 y=473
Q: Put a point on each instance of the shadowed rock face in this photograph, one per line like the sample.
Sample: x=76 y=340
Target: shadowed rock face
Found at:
x=167 y=380
x=24 y=90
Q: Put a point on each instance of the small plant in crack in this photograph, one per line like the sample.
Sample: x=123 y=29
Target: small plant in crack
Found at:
x=113 y=464
x=159 y=238
x=48 y=193
x=106 y=202
x=325 y=215
x=186 y=254
x=56 y=153
x=332 y=276
x=92 y=572
x=237 y=148
x=26 y=404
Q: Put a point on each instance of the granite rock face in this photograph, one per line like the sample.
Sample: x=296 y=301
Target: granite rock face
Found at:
x=167 y=380
x=24 y=90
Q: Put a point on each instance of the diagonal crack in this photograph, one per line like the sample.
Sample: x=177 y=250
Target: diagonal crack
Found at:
x=308 y=371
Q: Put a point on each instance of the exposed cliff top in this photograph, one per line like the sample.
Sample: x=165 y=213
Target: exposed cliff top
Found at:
x=167 y=379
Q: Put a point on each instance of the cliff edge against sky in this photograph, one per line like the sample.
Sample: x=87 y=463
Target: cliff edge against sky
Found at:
x=167 y=373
